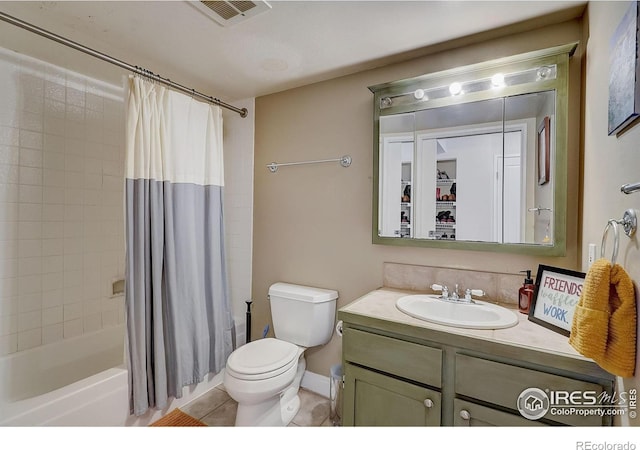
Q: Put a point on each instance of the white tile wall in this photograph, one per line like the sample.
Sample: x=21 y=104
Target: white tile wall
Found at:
x=61 y=216
x=238 y=160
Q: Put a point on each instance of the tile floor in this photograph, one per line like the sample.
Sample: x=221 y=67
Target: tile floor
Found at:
x=217 y=409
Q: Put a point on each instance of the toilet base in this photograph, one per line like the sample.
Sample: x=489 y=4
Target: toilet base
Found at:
x=290 y=409
x=278 y=411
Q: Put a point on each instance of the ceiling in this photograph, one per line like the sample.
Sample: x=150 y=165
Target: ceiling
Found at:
x=293 y=44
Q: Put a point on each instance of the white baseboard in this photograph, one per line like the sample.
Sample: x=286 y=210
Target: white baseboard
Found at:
x=316 y=383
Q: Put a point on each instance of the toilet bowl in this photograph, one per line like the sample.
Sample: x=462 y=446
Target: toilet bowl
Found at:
x=264 y=376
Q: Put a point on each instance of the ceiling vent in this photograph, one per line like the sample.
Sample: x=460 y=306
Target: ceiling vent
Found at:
x=228 y=13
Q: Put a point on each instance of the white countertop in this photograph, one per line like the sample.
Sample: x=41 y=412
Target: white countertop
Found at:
x=381 y=304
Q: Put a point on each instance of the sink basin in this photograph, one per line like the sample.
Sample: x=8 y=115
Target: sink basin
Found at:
x=479 y=315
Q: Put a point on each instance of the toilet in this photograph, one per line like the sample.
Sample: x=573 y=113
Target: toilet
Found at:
x=264 y=376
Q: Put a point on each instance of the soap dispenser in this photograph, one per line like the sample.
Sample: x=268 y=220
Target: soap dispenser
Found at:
x=525 y=293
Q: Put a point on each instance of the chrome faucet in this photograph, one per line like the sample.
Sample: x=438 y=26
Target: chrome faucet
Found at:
x=455 y=297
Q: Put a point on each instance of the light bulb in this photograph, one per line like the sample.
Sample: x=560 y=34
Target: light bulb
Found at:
x=497 y=80
x=419 y=94
x=544 y=72
x=455 y=88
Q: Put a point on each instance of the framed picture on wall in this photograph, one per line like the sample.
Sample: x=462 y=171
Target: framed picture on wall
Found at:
x=555 y=298
x=544 y=150
x=624 y=73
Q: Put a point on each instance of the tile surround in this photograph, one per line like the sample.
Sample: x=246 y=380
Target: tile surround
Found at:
x=61 y=232
x=498 y=287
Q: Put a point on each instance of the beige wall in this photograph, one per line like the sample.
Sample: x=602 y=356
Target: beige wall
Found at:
x=609 y=161
x=312 y=224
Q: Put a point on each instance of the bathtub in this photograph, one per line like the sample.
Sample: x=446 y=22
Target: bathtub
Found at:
x=77 y=382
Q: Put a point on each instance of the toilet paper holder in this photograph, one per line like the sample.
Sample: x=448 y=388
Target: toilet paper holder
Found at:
x=339 y=328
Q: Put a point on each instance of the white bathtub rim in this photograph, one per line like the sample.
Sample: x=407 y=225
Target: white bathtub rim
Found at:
x=32 y=405
x=86 y=403
x=30 y=369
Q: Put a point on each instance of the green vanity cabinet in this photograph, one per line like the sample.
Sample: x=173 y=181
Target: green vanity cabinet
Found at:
x=375 y=399
x=396 y=374
x=386 y=382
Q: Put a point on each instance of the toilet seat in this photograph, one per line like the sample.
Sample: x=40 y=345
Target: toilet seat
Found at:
x=262 y=359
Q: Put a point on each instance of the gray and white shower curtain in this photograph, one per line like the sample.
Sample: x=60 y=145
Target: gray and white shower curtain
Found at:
x=179 y=319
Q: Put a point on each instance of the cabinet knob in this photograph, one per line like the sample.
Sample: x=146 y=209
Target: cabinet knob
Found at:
x=465 y=414
x=428 y=403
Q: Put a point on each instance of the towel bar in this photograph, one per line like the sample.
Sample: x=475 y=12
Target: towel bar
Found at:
x=629 y=222
x=345 y=161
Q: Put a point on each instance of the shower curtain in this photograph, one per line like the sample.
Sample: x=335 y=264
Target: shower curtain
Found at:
x=179 y=319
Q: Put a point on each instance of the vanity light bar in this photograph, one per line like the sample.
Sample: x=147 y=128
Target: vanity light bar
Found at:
x=496 y=81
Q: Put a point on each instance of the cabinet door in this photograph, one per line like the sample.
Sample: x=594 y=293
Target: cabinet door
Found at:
x=375 y=399
x=468 y=414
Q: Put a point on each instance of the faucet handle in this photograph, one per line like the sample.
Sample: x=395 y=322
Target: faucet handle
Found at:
x=441 y=288
x=470 y=292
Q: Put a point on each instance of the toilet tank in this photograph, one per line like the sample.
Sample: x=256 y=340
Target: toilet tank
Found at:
x=302 y=315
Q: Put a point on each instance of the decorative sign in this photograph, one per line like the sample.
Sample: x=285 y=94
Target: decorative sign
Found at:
x=556 y=295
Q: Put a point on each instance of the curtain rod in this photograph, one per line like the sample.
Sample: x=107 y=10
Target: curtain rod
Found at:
x=135 y=69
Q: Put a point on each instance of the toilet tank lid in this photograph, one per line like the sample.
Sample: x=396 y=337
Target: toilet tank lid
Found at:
x=302 y=293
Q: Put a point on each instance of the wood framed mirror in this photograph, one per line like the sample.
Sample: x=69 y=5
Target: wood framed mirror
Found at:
x=475 y=157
